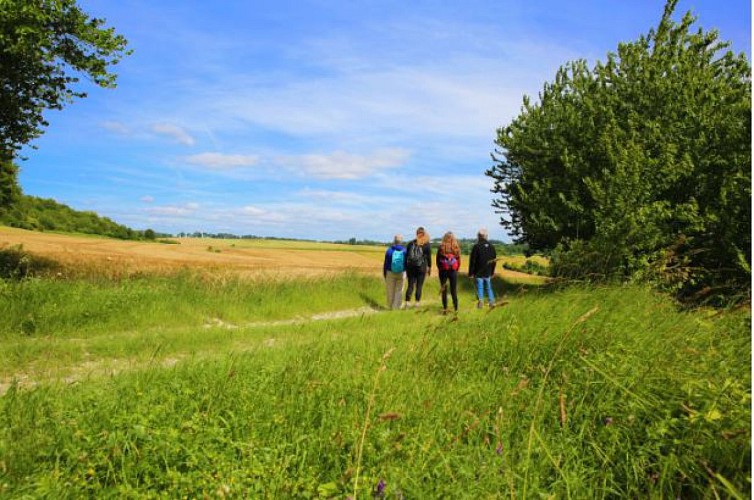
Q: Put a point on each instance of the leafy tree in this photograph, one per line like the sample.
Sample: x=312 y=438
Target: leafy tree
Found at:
x=9 y=190
x=638 y=164
x=44 y=47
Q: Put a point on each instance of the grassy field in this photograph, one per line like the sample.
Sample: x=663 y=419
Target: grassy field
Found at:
x=188 y=385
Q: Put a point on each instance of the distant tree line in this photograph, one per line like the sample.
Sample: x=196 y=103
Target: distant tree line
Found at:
x=638 y=168
x=465 y=244
x=232 y=236
x=354 y=241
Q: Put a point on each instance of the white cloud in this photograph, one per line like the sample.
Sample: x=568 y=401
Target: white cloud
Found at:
x=342 y=165
x=360 y=96
x=173 y=210
x=220 y=161
x=116 y=127
x=336 y=197
x=258 y=215
x=147 y=199
x=174 y=132
x=253 y=211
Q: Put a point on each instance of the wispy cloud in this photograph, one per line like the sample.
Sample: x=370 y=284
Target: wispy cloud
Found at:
x=342 y=165
x=220 y=161
x=173 y=210
x=116 y=127
x=174 y=132
x=342 y=198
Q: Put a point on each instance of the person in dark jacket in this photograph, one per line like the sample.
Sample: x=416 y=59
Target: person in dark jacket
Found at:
x=418 y=265
x=482 y=267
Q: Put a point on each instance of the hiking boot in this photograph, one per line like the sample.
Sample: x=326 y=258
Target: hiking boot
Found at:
x=492 y=305
x=480 y=304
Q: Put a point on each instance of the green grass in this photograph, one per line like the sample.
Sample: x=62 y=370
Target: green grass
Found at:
x=61 y=308
x=580 y=393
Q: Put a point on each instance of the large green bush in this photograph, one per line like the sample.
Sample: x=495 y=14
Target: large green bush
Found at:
x=640 y=163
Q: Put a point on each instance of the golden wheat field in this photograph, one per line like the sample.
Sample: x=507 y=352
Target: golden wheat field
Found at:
x=84 y=254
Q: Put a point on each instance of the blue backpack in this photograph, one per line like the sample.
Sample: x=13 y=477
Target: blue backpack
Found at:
x=398 y=261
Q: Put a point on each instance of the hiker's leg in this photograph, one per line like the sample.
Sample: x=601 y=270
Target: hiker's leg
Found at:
x=453 y=278
x=411 y=275
x=490 y=292
x=397 y=298
x=395 y=289
x=390 y=287
x=480 y=288
x=419 y=284
x=388 y=291
x=444 y=288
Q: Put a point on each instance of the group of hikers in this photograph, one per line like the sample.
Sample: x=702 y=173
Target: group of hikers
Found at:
x=414 y=261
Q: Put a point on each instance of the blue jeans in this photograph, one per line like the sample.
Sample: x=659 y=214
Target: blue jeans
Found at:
x=480 y=283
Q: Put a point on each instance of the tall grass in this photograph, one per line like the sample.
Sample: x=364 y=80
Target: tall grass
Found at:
x=578 y=393
x=85 y=307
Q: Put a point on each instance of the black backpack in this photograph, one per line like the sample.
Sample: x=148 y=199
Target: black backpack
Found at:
x=415 y=255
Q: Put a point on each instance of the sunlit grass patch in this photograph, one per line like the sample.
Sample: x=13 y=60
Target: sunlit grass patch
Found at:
x=587 y=393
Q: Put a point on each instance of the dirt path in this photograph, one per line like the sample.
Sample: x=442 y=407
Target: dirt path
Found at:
x=348 y=313
x=113 y=366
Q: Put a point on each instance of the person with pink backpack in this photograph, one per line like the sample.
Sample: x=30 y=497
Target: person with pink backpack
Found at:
x=448 y=260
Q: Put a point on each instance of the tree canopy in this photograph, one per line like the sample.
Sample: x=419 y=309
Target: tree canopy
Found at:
x=45 y=46
x=640 y=163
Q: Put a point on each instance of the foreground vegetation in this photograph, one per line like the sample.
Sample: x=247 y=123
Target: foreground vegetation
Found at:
x=178 y=386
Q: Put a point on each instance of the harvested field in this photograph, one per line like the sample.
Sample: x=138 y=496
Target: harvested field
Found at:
x=245 y=256
x=84 y=254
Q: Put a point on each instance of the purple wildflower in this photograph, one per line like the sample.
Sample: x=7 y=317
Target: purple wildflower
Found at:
x=499 y=449
x=379 y=490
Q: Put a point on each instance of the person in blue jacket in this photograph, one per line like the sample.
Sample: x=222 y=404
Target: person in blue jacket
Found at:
x=393 y=270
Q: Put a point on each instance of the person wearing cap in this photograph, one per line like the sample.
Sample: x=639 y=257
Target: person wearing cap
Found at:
x=482 y=267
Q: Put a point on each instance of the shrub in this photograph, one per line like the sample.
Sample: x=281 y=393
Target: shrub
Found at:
x=15 y=263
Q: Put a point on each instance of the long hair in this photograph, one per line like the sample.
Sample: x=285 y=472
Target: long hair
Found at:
x=422 y=237
x=449 y=244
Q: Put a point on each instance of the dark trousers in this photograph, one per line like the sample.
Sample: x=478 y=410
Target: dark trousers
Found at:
x=451 y=278
x=415 y=278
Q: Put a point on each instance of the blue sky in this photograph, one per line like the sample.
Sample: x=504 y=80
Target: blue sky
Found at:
x=322 y=119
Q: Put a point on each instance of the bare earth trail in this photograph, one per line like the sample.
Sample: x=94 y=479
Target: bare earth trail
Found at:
x=109 y=367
